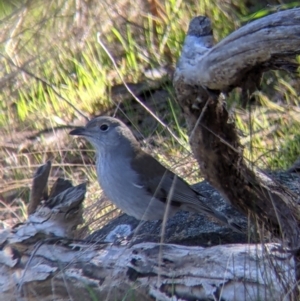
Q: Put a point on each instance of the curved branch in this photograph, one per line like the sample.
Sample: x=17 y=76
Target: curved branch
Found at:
x=213 y=136
x=266 y=43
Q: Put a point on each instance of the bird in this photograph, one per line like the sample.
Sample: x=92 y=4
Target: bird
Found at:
x=135 y=181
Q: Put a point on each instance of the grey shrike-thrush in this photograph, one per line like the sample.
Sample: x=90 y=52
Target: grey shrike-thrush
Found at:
x=135 y=181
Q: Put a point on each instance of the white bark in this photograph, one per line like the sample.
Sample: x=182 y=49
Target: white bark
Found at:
x=70 y=271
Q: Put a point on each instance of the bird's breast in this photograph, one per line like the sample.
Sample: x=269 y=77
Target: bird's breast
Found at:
x=118 y=180
x=120 y=183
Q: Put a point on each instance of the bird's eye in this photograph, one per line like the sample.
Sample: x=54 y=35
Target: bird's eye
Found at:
x=103 y=127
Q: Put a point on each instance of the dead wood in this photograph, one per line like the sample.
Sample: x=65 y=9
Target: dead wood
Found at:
x=39 y=187
x=61 y=270
x=238 y=60
x=40 y=261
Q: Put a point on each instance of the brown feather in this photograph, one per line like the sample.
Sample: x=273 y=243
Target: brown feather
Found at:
x=158 y=181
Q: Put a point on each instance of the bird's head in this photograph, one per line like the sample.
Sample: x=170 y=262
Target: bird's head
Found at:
x=107 y=134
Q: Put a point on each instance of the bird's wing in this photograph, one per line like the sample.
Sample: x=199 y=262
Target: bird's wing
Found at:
x=159 y=181
x=165 y=186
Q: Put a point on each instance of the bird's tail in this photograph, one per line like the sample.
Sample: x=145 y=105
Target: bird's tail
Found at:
x=203 y=208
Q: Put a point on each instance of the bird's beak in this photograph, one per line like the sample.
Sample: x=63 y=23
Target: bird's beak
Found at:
x=80 y=131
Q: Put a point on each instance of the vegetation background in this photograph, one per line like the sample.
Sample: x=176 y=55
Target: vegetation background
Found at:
x=64 y=60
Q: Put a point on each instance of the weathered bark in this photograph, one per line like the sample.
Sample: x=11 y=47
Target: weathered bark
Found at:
x=61 y=270
x=39 y=261
x=238 y=60
x=268 y=43
x=39 y=187
x=213 y=138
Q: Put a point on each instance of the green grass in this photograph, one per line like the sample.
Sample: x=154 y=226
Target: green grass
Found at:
x=82 y=76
